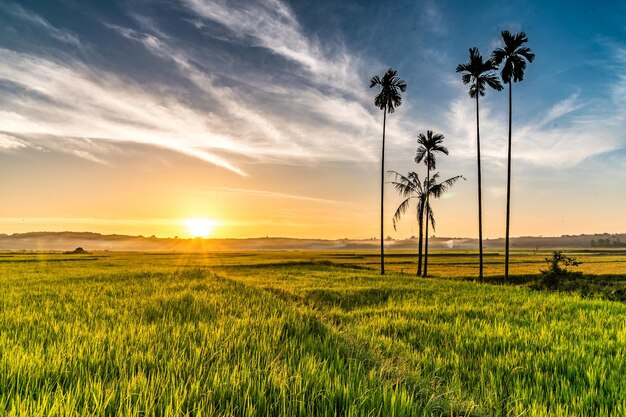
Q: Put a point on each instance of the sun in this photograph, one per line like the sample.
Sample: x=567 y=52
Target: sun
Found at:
x=199 y=227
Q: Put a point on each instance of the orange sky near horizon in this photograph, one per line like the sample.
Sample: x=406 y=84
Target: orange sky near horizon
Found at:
x=152 y=196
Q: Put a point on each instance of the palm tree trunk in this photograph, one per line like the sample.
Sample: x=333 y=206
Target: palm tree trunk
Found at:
x=508 y=189
x=382 y=199
x=427 y=218
x=480 y=199
x=420 y=241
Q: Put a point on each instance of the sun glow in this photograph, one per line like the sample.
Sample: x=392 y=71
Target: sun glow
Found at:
x=199 y=227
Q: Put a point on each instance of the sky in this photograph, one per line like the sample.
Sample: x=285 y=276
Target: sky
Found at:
x=131 y=116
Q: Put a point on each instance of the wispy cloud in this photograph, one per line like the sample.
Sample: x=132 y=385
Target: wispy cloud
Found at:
x=560 y=109
x=93 y=150
x=68 y=101
x=432 y=18
x=327 y=125
x=618 y=93
x=555 y=139
x=71 y=100
x=88 y=221
x=321 y=112
x=271 y=24
x=10 y=142
x=272 y=194
x=32 y=18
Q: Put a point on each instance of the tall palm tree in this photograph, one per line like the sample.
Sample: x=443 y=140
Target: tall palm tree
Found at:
x=387 y=100
x=429 y=145
x=411 y=188
x=514 y=57
x=479 y=74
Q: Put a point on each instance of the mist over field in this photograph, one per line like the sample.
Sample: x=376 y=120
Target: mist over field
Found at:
x=65 y=241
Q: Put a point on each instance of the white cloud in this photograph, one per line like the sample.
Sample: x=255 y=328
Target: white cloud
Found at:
x=71 y=100
x=560 y=109
x=272 y=25
x=305 y=122
x=432 y=18
x=272 y=194
x=69 y=106
x=72 y=106
x=9 y=142
x=538 y=141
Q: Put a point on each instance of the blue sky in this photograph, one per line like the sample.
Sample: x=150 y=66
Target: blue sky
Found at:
x=260 y=112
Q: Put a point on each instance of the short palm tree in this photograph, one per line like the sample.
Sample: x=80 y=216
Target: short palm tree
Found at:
x=429 y=145
x=514 y=56
x=479 y=74
x=387 y=100
x=411 y=188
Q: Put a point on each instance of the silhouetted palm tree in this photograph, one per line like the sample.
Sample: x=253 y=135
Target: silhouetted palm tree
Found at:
x=411 y=188
x=387 y=100
x=429 y=145
x=479 y=74
x=514 y=57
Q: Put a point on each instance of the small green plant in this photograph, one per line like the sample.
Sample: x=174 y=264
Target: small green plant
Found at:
x=557 y=269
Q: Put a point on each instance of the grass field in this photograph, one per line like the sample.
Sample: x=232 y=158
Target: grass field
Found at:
x=303 y=334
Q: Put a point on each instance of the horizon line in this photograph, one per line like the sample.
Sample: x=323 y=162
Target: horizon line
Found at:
x=373 y=239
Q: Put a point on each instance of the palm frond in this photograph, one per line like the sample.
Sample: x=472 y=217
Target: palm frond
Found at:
x=434 y=177
x=407 y=185
x=402 y=208
x=526 y=53
x=498 y=55
x=438 y=189
x=416 y=180
x=493 y=81
x=462 y=67
x=420 y=155
x=437 y=137
x=518 y=67
x=474 y=90
x=513 y=55
x=403 y=189
x=490 y=65
x=391 y=85
x=375 y=81
x=508 y=39
x=429 y=145
x=519 y=39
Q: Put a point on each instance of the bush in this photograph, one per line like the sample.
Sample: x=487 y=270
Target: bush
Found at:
x=557 y=270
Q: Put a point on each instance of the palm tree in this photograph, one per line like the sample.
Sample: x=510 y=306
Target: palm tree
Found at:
x=411 y=188
x=479 y=74
x=514 y=57
x=429 y=145
x=387 y=100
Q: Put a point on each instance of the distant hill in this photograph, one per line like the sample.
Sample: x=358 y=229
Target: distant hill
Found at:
x=64 y=241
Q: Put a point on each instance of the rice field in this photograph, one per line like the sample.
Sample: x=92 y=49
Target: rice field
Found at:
x=302 y=334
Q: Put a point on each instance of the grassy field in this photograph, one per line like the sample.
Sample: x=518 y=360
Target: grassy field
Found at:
x=303 y=334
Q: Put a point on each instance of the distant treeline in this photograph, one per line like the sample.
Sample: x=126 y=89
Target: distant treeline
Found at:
x=607 y=243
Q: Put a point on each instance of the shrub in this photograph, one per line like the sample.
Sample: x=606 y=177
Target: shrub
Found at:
x=557 y=270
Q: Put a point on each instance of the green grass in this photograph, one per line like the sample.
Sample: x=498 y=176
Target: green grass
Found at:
x=300 y=334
